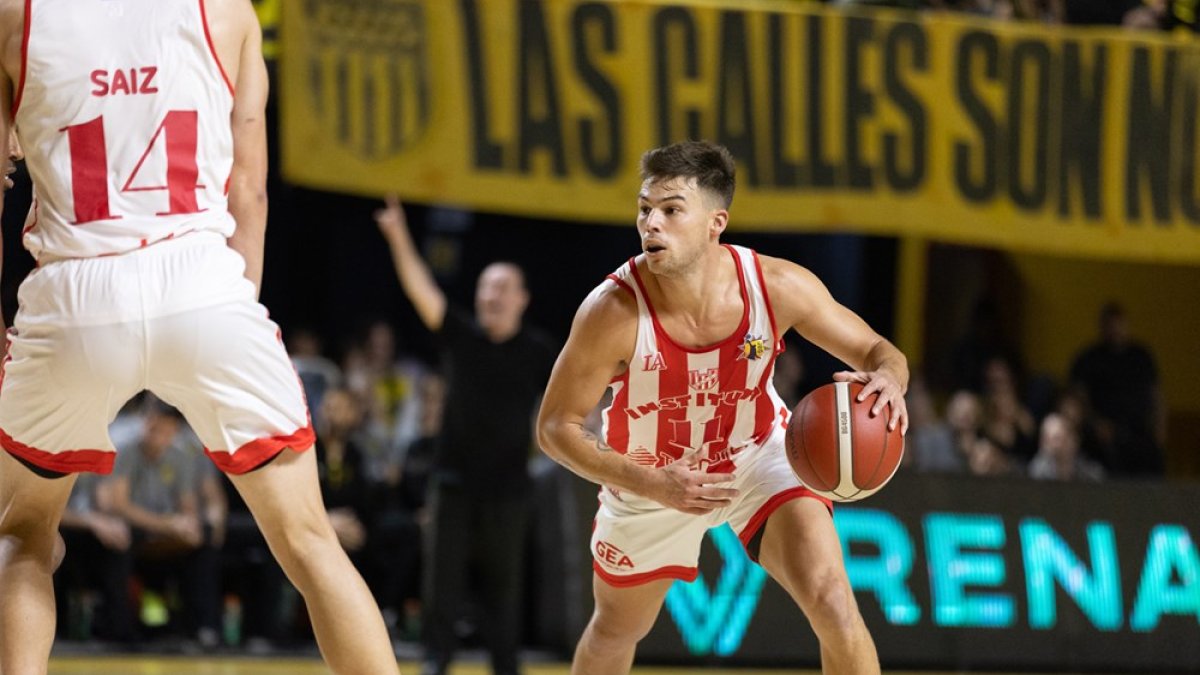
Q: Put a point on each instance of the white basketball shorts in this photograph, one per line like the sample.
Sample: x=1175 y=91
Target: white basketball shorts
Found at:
x=637 y=540
x=177 y=318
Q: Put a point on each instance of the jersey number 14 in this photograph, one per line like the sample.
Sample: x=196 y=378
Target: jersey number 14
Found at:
x=89 y=167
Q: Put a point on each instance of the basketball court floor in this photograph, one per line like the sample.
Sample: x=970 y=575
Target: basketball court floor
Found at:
x=106 y=665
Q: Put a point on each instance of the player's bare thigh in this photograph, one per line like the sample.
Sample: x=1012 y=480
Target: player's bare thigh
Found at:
x=628 y=610
x=800 y=545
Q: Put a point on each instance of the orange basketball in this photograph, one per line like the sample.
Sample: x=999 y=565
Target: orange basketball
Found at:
x=837 y=449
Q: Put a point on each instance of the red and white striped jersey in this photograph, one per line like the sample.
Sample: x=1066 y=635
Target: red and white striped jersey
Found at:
x=709 y=403
x=123 y=109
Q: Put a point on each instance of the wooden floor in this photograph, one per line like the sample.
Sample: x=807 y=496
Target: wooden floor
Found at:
x=103 y=665
x=98 y=665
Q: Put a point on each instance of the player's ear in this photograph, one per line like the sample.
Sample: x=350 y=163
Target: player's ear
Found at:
x=717 y=223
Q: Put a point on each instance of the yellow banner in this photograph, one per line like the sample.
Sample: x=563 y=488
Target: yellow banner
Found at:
x=1079 y=141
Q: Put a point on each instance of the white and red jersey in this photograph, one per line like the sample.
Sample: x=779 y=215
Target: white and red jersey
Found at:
x=124 y=110
x=709 y=403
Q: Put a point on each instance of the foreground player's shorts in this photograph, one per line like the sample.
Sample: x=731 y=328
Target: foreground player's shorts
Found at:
x=637 y=540
x=177 y=318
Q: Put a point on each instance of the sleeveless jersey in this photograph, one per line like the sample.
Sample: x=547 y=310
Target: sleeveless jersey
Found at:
x=128 y=108
x=708 y=403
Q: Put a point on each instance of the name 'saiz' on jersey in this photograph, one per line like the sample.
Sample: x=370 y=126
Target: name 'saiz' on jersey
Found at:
x=129 y=107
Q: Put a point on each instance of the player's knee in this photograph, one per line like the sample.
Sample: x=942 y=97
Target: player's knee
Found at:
x=301 y=545
x=30 y=538
x=828 y=601
x=609 y=632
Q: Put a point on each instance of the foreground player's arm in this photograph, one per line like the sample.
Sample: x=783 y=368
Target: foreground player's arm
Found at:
x=802 y=302
x=414 y=275
x=248 y=179
x=602 y=339
x=12 y=21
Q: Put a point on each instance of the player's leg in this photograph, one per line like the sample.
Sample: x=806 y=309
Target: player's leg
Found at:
x=285 y=498
x=61 y=386
x=623 y=616
x=30 y=508
x=225 y=368
x=800 y=549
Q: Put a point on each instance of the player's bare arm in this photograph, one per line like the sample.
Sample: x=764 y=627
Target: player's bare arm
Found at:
x=802 y=302
x=239 y=47
x=12 y=19
x=414 y=275
x=599 y=347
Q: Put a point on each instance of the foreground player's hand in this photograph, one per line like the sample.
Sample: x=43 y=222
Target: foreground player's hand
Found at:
x=685 y=488
x=887 y=391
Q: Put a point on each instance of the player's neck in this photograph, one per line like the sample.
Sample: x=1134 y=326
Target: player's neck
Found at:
x=691 y=290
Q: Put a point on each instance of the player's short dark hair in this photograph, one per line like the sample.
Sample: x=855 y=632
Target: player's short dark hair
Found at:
x=709 y=163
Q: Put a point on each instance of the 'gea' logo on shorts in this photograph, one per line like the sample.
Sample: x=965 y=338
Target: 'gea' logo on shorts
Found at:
x=612 y=556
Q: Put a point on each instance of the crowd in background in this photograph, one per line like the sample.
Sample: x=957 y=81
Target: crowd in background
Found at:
x=1107 y=417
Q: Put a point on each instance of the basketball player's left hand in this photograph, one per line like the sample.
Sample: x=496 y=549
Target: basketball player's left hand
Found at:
x=888 y=390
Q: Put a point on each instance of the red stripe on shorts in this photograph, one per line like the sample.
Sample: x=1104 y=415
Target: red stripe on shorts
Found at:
x=760 y=517
x=626 y=580
x=65 y=461
x=252 y=455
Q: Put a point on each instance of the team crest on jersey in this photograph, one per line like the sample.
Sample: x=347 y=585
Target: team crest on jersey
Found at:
x=703 y=379
x=368 y=72
x=753 y=347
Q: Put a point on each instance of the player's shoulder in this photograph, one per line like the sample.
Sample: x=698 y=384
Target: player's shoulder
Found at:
x=610 y=305
x=783 y=272
x=612 y=298
x=234 y=16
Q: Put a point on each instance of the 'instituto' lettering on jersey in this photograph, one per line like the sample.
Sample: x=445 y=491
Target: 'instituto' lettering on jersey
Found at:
x=708 y=403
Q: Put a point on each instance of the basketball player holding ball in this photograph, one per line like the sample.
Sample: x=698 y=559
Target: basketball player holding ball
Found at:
x=686 y=335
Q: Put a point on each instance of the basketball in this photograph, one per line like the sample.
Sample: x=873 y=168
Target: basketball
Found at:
x=837 y=449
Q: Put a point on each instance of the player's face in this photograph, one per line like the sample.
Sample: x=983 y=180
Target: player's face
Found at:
x=676 y=221
x=500 y=297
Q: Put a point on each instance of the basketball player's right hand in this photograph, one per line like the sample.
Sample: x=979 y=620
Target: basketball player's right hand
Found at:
x=685 y=488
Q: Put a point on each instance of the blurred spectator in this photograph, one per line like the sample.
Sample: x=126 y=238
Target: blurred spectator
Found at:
x=386 y=383
x=929 y=444
x=985 y=458
x=1008 y=424
x=155 y=488
x=1120 y=379
x=1072 y=406
x=496 y=369
x=397 y=528
x=252 y=581
x=964 y=415
x=344 y=483
x=98 y=559
x=317 y=373
x=1058 y=455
